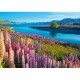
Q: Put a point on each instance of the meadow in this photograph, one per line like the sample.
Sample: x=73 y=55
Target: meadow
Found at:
x=19 y=50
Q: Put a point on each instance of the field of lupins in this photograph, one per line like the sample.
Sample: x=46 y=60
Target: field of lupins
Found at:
x=33 y=51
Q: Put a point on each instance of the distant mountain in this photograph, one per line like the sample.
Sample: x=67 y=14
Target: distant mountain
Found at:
x=67 y=21
x=63 y=21
x=38 y=23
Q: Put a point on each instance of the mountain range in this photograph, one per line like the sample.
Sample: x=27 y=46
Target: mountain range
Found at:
x=63 y=21
x=68 y=21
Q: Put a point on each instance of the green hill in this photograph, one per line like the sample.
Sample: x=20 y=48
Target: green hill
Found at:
x=4 y=22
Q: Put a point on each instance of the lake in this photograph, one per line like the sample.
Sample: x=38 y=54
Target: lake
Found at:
x=66 y=37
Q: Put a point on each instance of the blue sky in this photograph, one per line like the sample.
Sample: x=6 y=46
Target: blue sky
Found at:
x=37 y=16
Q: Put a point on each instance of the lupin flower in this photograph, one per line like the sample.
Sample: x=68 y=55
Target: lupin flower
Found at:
x=7 y=38
x=23 y=61
x=2 y=47
x=32 y=53
x=30 y=62
x=6 y=56
x=11 y=57
x=58 y=64
x=27 y=65
x=18 y=56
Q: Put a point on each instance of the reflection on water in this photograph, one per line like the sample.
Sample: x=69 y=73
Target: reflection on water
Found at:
x=52 y=33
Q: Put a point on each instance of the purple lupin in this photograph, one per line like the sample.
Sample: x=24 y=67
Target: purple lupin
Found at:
x=30 y=62
x=23 y=59
x=27 y=65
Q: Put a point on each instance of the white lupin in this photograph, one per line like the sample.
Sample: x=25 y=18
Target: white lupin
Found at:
x=2 y=47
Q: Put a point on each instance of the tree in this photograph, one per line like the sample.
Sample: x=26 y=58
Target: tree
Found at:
x=54 y=25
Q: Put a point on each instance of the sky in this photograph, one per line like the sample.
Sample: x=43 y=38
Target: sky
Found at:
x=37 y=16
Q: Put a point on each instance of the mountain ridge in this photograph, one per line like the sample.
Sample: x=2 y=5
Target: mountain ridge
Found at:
x=63 y=21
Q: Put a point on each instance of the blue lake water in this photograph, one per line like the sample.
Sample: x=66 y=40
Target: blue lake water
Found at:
x=71 y=38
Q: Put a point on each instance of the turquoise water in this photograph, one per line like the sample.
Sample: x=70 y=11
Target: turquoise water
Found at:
x=71 y=38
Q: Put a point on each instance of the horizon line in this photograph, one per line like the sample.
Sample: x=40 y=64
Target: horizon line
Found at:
x=37 y=21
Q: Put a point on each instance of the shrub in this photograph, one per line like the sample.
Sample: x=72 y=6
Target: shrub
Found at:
x=54 y=25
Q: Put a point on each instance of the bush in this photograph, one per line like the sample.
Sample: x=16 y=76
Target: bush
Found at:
x=78 y=56
x=59 y=56
x=54 y=25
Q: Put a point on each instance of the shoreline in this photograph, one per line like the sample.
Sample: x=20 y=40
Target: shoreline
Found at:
x=48 y=39
x=59 y=30
x=45 y=39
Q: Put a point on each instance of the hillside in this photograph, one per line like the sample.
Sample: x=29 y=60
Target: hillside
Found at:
x=4 y=22
x=33 y=51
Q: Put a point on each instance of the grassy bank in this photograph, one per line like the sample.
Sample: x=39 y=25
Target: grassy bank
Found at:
x=25 y=45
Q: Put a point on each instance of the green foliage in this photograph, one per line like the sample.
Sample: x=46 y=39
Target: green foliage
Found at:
x=36 y=50
x=1 y=66
x=58 y=50
x=78 y=56
x=4 y=22
x=4 y=65
x=39 y=52
x=59 y=56
x=18 y=65
x=7 y=28
x=54 y=25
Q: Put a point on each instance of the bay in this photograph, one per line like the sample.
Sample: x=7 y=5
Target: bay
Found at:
x=66 y=37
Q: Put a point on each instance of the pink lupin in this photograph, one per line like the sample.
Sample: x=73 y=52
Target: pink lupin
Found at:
x=7 y=38
x=25 y=48
x=27 y=65
x=22 y=51
x=65 y=65
x=23 y=59
x=6 y=56
x=23 y=45
x=36 y=64
x=13 y=56
x=70 y=66
x=16 y=46
x=32 y=52
x=27 y=57
x=18 y=56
